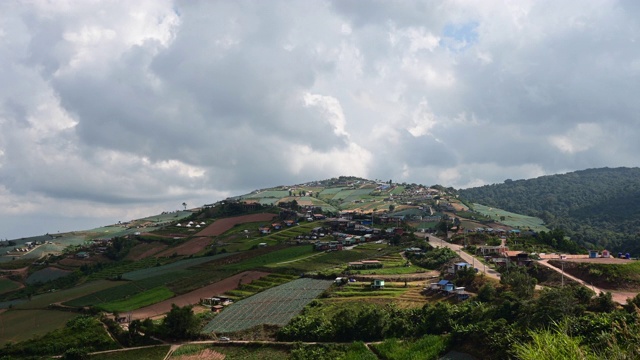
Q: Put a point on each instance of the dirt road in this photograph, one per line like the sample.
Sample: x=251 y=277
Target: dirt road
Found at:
x=474 y=261
x=618 y=296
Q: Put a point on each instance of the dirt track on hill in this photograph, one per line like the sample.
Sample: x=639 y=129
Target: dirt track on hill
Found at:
x=194 y=297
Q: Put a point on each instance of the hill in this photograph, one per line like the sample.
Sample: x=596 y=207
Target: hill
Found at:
x=595 y=207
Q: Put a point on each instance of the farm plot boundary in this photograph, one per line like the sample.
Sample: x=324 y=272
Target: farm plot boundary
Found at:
x=275 y=306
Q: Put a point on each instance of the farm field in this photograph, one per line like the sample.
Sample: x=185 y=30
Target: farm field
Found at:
x=220 y=226
x=274 y=257
x=43 y=300
x=7 y=285
x=333 y=260
x=147 y=353
x=139 y=300
x=148 y=272
x=248 y=351
x=393 y=264
x=194 y=297
x=47 y=274
x=20 y=325
x=274 y=306
x=511 y=219
x=145 y=250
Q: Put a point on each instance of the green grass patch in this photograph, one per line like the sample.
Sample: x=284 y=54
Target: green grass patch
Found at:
x=363 y=289
x=148 y=353
x=148 y=272
x=81 y=332
x=274 y=257
x=430 y=347
x=43 y=300
x=123 y=267
x=247 y=351
x=46 y=275
x=137 y=301
x=19 y=325
x=511 y=219
x=7 y=285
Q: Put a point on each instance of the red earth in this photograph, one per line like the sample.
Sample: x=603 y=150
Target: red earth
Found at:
x=194 y=297
x=220 y=226
x=191 y=247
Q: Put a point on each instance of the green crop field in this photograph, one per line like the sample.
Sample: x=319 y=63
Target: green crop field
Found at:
x=363 y=289
x=274 y=306
x=148 y=272
x=7 y=285
x=278 y=256
x=123 y=267
x=137 y=301
x=330 y=192
x=43 y=300
x=46 y=275
x=511 y=219
x=334 y=259
x=147 y=353
x=20 y=325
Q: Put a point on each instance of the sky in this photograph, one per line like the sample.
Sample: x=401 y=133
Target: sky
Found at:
x=115 y=110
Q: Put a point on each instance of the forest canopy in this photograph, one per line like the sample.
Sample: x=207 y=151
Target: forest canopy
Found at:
x=597 y=208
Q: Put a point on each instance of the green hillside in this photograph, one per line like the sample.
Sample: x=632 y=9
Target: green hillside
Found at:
x=596 y=207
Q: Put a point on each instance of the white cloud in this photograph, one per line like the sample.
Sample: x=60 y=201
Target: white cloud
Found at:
x=143 y=105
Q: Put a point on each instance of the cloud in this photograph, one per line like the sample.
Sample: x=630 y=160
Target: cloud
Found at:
x=115 y=107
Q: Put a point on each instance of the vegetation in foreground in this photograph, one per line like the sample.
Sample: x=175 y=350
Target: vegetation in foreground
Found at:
x=504 y=320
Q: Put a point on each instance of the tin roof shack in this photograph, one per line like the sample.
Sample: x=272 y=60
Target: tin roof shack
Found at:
x=365 y=264
x=446 y=286
x=459 y=266
x=377 y=284
x=519 y=258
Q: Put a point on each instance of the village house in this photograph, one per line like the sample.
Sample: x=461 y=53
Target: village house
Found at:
x=365 y=264
x=377 y=284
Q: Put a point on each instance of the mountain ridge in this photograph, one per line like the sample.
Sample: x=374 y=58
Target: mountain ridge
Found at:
x=596 y=207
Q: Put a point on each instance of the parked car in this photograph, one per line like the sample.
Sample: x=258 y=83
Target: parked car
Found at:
x=224 y=338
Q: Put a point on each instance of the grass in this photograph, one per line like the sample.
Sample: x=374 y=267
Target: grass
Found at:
x=46 y=275
x=43 y=300
x=272 y=258
x=148 y=353
x=336 y=260
x=137 y=301
x=19 y=325
x=148 y=272
x=430 y=347
x=248 y=351
x=363 y=289
x=511 y=219
x=7 y=285
x=393 y=264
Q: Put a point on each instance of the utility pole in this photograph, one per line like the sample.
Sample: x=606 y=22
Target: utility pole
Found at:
x=562 y=273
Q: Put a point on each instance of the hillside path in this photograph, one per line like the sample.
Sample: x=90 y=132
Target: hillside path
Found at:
x=473 y=260
x=618 y=296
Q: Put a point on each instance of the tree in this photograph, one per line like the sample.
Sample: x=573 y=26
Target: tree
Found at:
x=391 y=207
x=180 y=322
x=185 y=205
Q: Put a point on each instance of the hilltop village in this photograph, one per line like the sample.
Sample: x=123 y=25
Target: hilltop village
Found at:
x=325 y=269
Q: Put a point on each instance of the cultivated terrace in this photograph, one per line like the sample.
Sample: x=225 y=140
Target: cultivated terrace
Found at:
x=344 y=268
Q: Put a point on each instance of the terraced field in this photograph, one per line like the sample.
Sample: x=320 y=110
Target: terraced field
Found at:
x=276 y=306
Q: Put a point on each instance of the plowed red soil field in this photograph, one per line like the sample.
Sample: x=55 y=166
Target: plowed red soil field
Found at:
x=194 y=297
x=220 y=226
x=191 y=247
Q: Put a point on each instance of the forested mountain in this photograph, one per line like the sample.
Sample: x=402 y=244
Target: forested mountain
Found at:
x=596 y=207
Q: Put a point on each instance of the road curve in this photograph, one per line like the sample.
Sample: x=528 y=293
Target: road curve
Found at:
x=473 y=260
